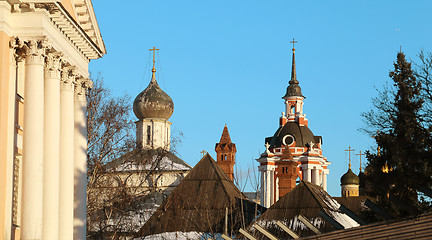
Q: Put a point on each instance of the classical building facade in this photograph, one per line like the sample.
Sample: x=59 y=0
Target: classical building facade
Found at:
x=293 y=151
x=45 y=49
x=225 y=153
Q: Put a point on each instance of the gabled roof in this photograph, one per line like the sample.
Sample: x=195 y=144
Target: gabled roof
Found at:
x=199 y=203
x=305 y=199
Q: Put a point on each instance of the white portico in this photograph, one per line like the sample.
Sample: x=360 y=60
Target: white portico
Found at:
x=49 y=45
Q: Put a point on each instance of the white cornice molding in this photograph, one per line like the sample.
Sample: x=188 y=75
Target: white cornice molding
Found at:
x=64 y=22
x=76 y=33
x=87 y=19
x=5 y=12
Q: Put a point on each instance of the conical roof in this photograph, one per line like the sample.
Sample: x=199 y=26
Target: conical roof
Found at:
x=305 y=199
x=225 y=141
x=199 y=202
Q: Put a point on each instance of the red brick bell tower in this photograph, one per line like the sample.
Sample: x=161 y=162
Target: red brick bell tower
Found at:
x=286 y=172
x=225 y=151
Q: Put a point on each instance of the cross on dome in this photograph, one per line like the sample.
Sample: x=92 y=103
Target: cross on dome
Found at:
x=349 y=150
x=154 y=53
x=360 y=154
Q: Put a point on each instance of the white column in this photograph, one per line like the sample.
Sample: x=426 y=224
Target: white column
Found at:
x=272 y=187
x=315 y=176
x=324 y=181
x=33 y=142
x=307 y=175
x=80 y=154
x=262 y=188
x=66 y=155
x=267 y=188
x=51 y=147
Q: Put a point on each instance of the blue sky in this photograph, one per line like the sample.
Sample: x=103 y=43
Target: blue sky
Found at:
x=229 y=62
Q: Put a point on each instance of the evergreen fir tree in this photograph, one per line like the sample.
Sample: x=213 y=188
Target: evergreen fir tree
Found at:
x=403 y=163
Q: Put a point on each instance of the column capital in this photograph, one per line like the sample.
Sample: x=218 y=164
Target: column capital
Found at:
x=17 y=48
x=81 y=87
x=13 y=45
x=52 y=65
x=68 y=76
x=35 y=51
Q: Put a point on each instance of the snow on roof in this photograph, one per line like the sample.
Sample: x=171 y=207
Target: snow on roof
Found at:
x=172 y=235
x=305 y=199
x=148 y=160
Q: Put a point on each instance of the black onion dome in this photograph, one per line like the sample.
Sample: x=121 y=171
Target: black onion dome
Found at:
x=293 y=90
x=153 y=103
x=350 y=178
x=302 y=135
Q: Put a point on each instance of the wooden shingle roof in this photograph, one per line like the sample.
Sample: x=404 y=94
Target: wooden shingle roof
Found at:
x=418 y=227
x=199 y=204
x=305 y=199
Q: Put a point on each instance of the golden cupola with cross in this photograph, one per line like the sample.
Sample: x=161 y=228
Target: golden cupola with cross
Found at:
x=153 y=107
x=292 y=137
x=350 y=182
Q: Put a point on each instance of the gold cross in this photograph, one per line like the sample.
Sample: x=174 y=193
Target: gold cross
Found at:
x=360 y=154
x=203 y=152
x=293 y=42
x=154 y=52
x=349 y=155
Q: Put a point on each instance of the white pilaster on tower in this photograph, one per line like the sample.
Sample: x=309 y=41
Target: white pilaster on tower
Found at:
x=268 y=186
x=272 y=188
x=315 y=176
x=307 y=175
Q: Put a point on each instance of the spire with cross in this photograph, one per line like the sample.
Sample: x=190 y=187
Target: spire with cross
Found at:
x=293 y=70
x=349 y=150
x=293 y=42
x=360 y=155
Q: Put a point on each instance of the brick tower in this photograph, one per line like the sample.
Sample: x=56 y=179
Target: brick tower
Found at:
x=286 y=172
x=225 y=151
x=293 y=135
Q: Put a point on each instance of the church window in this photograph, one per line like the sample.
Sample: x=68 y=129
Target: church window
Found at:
x=222 y=157
x=148 y=135
x=292 y=109
x=225 y=157
x=283 y=170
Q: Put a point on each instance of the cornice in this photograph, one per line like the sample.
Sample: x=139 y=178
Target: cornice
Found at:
x=76 y=33
x=87 y=19
x=65 y=24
